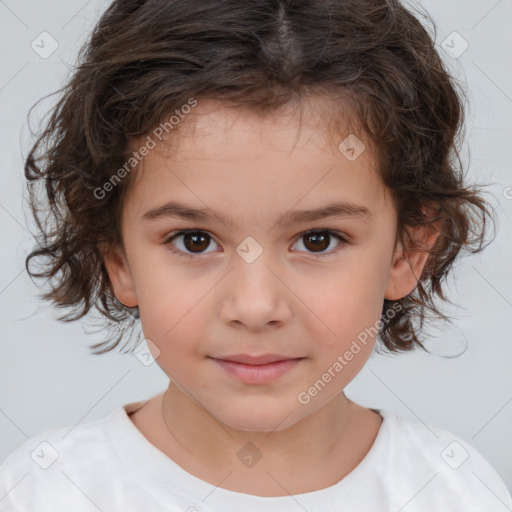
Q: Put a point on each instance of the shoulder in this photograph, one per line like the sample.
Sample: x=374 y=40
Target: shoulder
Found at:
x=448 y=469
x=53 y=462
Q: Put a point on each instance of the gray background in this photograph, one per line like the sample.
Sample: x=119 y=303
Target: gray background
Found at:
x=48 y=378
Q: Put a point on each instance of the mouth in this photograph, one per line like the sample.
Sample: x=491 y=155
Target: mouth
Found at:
x=257 y=370
x=256 y=360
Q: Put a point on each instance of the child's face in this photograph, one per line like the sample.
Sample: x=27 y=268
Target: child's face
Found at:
x=302 y=297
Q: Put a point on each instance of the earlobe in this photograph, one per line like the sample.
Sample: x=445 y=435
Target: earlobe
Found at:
x=120 y=275
x=408 y=265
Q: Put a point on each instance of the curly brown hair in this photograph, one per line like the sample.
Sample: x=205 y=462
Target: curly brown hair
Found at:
x=145 y=59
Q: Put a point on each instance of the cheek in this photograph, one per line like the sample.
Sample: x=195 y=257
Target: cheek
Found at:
x=170 y=295
x=343 y=301
x=176 y=339
x=170 y=315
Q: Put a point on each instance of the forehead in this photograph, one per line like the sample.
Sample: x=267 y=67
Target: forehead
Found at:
x=223 y=157
x=312 y=124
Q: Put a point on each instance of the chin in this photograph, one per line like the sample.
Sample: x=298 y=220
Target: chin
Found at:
x=266 y=421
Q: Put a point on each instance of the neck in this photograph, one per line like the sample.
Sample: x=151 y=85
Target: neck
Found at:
x=318 y=444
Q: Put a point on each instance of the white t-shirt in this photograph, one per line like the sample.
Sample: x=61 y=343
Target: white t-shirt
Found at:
x=108 y=465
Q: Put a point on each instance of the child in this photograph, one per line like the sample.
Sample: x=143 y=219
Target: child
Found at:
x=253 y=131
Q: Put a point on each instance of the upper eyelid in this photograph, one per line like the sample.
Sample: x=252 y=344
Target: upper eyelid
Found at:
x=194 y=230
x=342 y=236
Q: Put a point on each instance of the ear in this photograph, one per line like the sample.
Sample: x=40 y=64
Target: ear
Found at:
x=119 y=273
x=408 y=264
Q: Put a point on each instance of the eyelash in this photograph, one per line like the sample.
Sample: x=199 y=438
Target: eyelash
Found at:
x=343 y=241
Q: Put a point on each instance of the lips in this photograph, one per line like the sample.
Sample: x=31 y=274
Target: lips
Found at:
x=259 y=370
x=256 y=360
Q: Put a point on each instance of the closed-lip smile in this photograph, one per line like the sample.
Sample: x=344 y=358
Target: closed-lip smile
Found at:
x=256 y=360
x=257 y=369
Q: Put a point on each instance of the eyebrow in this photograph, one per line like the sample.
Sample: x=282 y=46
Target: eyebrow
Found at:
x=173 y=209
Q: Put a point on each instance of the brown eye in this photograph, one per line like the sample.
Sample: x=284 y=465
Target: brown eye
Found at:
x=189 y=243
x=196 y=241
x=318 y=241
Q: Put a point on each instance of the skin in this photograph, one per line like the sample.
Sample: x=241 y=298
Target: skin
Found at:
x=290 y=300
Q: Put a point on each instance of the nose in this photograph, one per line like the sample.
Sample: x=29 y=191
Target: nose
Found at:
x=254 y=297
